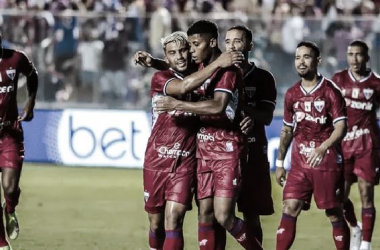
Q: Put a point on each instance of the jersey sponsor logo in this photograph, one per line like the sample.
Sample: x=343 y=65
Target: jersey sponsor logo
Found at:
x=319 y=105
x=165 y=152
x=11 y=73
x=203 y=242
x=355 y=133
x=355 y=93
x=251 y=139
x=305 y=150
x=250 y=91
x=307 y=106
x=146 y=196
x=368 y=93
x=6 y=89
x=201 y=136
x=359 y=105
x=319 y=119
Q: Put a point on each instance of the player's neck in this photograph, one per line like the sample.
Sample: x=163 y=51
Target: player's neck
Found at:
x=215 y=54
x=245 y=65
x=362 y=73
x=309 y=82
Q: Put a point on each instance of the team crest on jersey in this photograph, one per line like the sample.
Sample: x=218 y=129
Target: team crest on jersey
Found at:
x=250 y=91
x=368 y=93
x=319 y=105
x=11 y=73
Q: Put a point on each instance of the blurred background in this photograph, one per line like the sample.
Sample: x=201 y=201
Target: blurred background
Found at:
x=93 y=105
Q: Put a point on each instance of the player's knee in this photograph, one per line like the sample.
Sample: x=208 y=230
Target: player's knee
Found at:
x=205 y=214
x=291 y=209
x=334 y=214
x=225 y=219
x=9 y=188
x=173 y=220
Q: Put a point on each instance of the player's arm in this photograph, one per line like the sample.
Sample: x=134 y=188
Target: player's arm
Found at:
x=32 y=86
x=210 y=107
x=286 y=138
x=193 y=81
x=316 y=156
x=145 y=59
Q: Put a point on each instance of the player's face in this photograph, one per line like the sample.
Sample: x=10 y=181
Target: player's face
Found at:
x=306 y=62
x=236 y=41
x=177 y=56
x=200 y=48
x=356 y=57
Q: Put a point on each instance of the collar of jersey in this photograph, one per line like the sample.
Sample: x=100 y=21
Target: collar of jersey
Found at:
x=316 y=87
x=253 y=66
x=361 y=80
x=177 y=74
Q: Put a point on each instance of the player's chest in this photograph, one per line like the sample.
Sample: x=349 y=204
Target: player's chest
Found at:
x=358 y=92
x=311 y=109
x=8 y=73
x=207 y=88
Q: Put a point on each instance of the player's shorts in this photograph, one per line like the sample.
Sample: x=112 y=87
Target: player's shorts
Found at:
x=326 y=186
x=364 y=164
x=220 y=178
x=162 y=186
x=11 y=149
x=256 y=192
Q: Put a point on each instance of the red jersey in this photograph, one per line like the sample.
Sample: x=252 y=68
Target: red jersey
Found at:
x=171 y=145
x=313 y=115
x=12 y=63
x=219 y=137
x=362 y=98
x=260 y=91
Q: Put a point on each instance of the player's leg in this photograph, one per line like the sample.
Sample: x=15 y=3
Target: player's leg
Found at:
x=156 y=230
x=206 y=220
x=179 y=194
x=3 y=240
x=341 y=232
x=366 y=190
x=286 y=232
x=154 y=197
x=254 y=225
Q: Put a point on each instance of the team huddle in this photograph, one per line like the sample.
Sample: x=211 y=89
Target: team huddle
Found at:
x=208 y=140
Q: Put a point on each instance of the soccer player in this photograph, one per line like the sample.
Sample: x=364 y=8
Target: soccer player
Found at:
x=315 y=117
x=260 y=101
x=361 y=89
x=219 y=139
x=12 y=63
x=170 y=163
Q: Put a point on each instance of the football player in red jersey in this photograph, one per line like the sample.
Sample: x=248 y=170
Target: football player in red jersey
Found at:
x=260 y=101
x=219 y=140
x=170 y=163
x=315 y=119
x=361 y=89
x=12 y=63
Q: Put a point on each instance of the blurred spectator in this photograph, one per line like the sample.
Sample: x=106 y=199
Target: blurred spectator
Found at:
x=160 y=27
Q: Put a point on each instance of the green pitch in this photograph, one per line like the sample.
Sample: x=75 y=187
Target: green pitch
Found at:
x=63 y=208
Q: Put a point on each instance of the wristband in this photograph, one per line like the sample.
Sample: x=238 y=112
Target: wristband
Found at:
x=279 y=163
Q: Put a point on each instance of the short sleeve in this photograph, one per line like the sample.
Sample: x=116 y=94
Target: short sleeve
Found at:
x=227 y=82
x=160 y=81
x=288 y=109
x=267 y=92
x=337 y=105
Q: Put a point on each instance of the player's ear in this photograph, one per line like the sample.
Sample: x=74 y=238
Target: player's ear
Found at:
x=166 y=59
x=250 y=46
x=213 y=43
x=319 y=60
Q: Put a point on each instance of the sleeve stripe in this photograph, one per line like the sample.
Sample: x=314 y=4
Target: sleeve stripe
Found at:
x=223 y=90
x=290 y=124
x=166 y=85
x=339 y=118
x=267 y=101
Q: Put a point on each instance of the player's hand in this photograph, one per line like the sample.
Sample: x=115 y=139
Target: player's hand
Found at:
x=246 y=124
x=27 y=113
x=227 y=59
x=165 y=104
x=143 y=58
x=280 y=176
x=316 y=156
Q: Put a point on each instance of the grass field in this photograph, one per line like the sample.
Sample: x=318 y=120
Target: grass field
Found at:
x=65 y=208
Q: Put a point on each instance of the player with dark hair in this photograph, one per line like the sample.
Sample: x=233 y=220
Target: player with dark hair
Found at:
x=361 y=89
x=219 y=140
x=315 y=117
x=170 y=163
x=12 y=63
x=260 y=101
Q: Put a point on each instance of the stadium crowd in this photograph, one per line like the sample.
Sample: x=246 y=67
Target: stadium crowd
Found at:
x=83 y=49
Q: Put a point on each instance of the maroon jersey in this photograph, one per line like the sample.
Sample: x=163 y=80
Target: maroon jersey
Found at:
x=172 y=141
x=260 y=93
x=219 y=137
x=362 y=98
x=12 y=63
x=313 y=116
